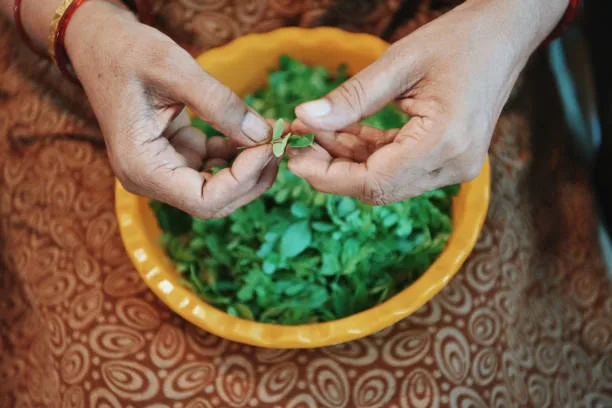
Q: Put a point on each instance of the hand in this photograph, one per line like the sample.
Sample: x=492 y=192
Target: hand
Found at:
x=452 y=76
x=137 y=81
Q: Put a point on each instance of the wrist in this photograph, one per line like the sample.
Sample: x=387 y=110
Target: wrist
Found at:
x=527 y=23
x=537 y=19
x=90 y=24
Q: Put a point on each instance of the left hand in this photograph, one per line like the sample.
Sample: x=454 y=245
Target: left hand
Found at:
x=452 y=77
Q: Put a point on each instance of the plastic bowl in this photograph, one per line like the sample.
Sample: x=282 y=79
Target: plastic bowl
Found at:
x=244 y=65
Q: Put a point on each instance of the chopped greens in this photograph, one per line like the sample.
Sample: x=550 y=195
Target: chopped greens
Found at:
x=295 y=255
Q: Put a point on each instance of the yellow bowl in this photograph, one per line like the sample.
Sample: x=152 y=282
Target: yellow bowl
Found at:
x=243 y=65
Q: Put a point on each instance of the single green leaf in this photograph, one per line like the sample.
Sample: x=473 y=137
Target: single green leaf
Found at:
x=346 y=206
x=296 y=239
x=269 y=267
x=231 y=310
x=245 y=293
x=301 y=141
x=279 y=147
x=279 y=126
x=197 y=244
x=330 y=266
x=295 y=288
x=322 y=227
x=243 y=311
x=300 y=210
x=170 y=219
x=390 y=220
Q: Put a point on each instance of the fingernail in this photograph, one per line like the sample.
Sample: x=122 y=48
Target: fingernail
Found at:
x=255 y=128
x=317 y=109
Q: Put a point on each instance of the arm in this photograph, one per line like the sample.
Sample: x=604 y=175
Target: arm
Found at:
x=138 y=82
x=452 y=76
x=35 y=15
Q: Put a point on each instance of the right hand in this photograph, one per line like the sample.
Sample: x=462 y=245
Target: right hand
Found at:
x=138 y=82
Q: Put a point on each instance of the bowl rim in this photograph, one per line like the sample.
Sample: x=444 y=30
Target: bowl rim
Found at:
x=188 y=305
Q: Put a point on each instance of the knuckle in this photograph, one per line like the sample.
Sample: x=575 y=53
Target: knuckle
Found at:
x=353 y=94
x=433 y=107
x=223 y=97
x=163 y=60
x=130 y=173
x=455 y=146
x=374 y=192
x=122 y=170
x=472 y=169
x=125 y=180
x=221 y=105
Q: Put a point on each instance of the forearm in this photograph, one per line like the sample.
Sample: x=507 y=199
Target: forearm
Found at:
x=526 y=22
x=538 y=18
x=36 y=16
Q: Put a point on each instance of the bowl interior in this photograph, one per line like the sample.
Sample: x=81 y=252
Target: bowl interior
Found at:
x=244 y=66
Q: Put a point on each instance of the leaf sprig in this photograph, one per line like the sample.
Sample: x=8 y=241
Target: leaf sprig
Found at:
x=280 y=142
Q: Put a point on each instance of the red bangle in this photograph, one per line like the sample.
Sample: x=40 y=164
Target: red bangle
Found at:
x=568 y=17
x=22 y=32
x=57 y=46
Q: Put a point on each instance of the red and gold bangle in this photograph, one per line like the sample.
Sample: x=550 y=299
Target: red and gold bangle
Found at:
x=22 y=32
x=57 y=36
x=568 y=17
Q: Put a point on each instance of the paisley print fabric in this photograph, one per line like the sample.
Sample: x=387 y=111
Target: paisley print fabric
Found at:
x=526 y=322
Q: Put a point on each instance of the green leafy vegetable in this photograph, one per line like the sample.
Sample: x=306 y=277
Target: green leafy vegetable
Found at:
x=301 y=141
x=280 y=147
x=278 y=130
x=280 y=142
x=295 y=255
x=296 y=239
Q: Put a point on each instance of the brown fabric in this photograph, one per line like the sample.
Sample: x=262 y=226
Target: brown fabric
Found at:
x=526 y=322
x=201 y=24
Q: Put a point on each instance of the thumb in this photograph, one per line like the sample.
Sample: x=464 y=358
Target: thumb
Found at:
x=186 y=81
x=363 y=95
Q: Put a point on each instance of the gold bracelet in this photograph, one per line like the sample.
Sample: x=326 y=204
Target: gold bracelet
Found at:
x=57 y=17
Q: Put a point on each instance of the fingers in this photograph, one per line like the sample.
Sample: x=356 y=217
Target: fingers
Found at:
x=167 y=168
x=380 y=180
x=221 y=148
x=193 y=145
x=188 y=141
x=356 y=142
x=251 y=174
x=328 y=174
x=263 y=184
x=399 y=167
x=186 y=81
x=158 y=157
x=161 y=173
x=362 y=95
